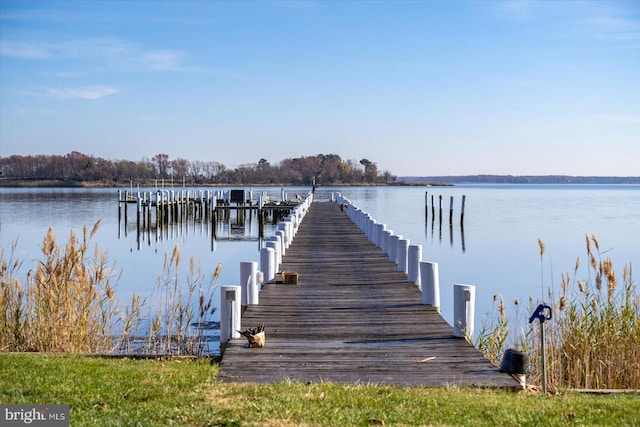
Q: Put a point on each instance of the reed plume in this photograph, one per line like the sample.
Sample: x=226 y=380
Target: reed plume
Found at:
x=593 y=341
x=68 y=303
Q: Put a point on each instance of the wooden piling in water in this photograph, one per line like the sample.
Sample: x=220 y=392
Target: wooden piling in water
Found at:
x=451 y=211
x=426 y=205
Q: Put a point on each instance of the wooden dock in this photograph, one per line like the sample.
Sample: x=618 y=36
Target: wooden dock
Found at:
x=352 y=318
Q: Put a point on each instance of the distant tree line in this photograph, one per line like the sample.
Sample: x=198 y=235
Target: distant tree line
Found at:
x=77 y=168
x=525 y=179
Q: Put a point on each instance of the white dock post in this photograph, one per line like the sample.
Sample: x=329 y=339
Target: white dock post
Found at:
x=393 y=248
x=283 y=241
x=249 y=282
x=289 y=228
x=379 y=234
x=414 y=257
x=371 y=225
x=463 y=310
x=386 y=238
x=268 y=264
x=275 y=244
x=230 y=312
x=403 y=249
x=286 y=237
x=430 y=283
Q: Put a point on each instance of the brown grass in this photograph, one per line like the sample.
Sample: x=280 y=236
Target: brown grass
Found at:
x=67 y=304
x=593 y=340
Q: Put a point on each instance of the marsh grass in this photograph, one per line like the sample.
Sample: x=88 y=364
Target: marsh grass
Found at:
x=593 y=340
x=67 y=304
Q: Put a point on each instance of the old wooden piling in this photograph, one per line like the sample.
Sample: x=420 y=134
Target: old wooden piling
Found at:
x=161 y=209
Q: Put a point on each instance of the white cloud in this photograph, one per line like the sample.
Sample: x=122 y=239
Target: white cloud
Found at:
x=163 y=60
x=43 y=112
x=24 y=50
x=110 y=51
x=87 y=92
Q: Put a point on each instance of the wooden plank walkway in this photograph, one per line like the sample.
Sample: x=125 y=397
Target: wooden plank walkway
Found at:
x=352 y=318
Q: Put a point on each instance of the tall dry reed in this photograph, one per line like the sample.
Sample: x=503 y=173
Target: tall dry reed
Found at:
x=593 y=340
x=67 y=303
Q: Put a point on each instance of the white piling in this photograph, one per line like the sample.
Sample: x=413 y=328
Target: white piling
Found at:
x=230 y=313
x=379 y=234
x=282 y=238
x=463 y=310
x=368 y=230
x=282 y=227
x=249 y=283
x=414 y=256
x=403 y=249
x=386 y=239
x=268 y=264
x=430 y=283
x=393 y=248
x=275 y=245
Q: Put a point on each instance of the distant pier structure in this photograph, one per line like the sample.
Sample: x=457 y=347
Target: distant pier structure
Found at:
x=163 y=208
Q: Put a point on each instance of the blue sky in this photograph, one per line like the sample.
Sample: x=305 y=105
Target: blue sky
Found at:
x=418 y=87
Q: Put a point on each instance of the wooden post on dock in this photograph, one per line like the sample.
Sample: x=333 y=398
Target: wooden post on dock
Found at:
x=282 y=241
x=157 y=210
x=230 y=314
x=386 y=241
x=273 y=244
x=268 y=264
x=430 y=280
x=463 y=310
x=120 y=211
x=393 y=248
x=278 y=247
x=414 y=257
x=249 y=283
x=403 y=249
x=138 y=213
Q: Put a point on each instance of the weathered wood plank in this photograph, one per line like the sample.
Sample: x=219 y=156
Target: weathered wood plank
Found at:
x=352 y=318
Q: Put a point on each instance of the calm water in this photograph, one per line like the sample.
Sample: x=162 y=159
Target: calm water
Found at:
x=497 y=252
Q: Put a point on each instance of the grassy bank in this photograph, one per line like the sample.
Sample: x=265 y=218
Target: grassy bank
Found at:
x=113 y=391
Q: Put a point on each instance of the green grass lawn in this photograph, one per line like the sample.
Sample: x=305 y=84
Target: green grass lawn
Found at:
x=128 y=392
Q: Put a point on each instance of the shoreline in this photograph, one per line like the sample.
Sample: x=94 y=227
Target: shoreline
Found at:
x=17 y=183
